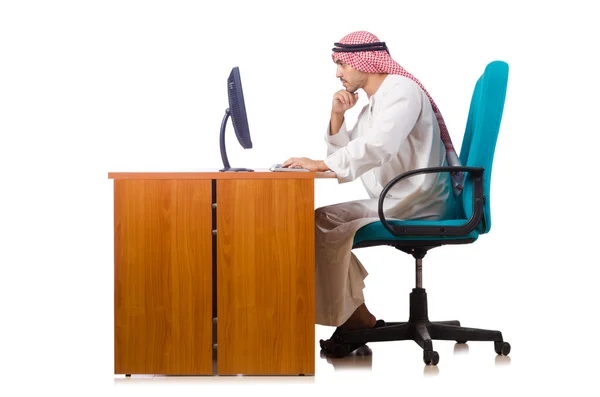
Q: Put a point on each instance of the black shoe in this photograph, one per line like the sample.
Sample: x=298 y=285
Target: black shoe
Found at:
x=333 y=347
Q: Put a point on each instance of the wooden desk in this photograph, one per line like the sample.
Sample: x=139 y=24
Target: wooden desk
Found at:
x=173 y=232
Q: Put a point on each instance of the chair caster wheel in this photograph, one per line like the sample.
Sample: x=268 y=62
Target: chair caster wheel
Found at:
x=502 y=348
x=431 y=357
x=461 y=342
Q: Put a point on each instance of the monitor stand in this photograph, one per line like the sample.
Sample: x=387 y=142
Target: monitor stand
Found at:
x=226 y=167
x=236 y=170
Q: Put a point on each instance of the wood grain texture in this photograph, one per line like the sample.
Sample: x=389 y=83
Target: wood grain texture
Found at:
x=215 y=174
x=265 y=277
x=163 y=277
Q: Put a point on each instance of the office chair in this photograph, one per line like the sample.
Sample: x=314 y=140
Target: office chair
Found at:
x=473 y=218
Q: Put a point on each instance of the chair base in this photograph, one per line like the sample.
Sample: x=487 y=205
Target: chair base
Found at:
x=422 y=331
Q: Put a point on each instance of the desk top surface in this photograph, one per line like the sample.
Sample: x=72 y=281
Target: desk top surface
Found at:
x=215 y=174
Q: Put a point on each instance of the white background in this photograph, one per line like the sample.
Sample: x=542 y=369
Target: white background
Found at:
x=91 y=87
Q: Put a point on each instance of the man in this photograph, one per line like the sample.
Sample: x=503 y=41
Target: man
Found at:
x=397 y=131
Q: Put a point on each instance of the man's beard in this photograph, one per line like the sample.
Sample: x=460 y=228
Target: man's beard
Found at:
x=352 y=89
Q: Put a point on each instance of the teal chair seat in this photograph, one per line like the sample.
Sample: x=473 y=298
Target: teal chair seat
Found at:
x=376 y=232
x=416 y=237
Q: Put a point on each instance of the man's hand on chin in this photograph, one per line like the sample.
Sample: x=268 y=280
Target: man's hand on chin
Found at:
x=303 y=162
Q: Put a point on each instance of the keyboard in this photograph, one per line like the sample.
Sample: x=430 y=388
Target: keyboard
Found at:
x=281 y=168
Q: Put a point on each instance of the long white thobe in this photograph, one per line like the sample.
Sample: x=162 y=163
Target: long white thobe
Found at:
x=396 y=132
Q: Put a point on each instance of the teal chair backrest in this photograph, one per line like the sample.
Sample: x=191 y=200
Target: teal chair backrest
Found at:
x=481 y=133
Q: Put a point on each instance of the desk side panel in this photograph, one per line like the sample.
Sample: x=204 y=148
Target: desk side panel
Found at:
x=265 y=276
x=163 y=277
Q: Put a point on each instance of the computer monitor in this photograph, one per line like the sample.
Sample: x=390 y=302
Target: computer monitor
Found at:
x=237 y=110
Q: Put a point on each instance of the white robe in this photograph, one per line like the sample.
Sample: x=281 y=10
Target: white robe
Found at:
x=396 y=132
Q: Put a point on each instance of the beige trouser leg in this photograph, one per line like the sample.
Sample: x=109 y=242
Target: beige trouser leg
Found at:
x=339 y=277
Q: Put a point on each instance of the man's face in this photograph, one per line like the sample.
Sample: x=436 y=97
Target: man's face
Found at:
x=351 y=78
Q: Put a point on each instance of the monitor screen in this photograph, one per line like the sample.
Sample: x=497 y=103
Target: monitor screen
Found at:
x=237 y=107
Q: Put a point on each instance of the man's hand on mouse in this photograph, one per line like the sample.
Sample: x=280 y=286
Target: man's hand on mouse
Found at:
x=303 y=162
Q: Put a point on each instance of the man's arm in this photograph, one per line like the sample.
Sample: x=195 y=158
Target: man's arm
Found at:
x=342 y=101
x=337 y=135
x=392 y=126
x=335 y=123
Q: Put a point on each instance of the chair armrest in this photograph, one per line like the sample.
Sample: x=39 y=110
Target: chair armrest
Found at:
x=466 y=228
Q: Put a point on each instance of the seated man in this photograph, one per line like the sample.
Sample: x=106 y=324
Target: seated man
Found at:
x=399 y=130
